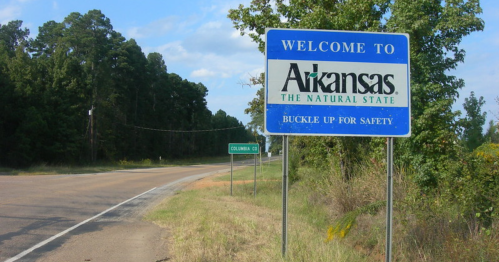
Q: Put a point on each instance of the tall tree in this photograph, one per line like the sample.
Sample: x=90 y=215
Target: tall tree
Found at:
x=11 y=104
x=492 y=134
x=12 y=35
x=89 y=39
x=48 y=36
x=472 y=135
x=6 y=95
x=256 y=106
x=436 y=28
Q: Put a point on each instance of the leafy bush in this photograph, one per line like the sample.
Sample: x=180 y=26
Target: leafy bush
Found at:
x=475 y=187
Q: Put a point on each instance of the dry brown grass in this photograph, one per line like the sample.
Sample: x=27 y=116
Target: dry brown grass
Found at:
x=209 y=225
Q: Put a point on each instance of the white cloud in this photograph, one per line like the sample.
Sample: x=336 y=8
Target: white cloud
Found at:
x=9 y=13
x=203 y=72
x=225 y=5
x=253 y=73
x=231 y=65
x=176 y=53
x=219 y=38
x=235 y=34
x=210 y=25
x=155 y=29
x=12 y=11
x=212 y=51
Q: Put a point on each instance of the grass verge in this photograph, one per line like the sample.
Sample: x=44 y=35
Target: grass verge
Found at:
x=44 y=169
x=210 y=225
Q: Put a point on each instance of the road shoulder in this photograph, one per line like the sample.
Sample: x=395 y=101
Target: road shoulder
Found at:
x=119 y=241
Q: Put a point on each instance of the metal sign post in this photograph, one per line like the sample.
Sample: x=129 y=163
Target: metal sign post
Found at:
x=234 y=148
x=254 y=183
x=389 y=198
x=284 y=195
x=231 y=164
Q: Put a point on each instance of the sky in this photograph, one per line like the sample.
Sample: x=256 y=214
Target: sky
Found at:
x=198 y=42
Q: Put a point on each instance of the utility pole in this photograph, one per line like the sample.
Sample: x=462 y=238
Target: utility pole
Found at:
x=92 y=142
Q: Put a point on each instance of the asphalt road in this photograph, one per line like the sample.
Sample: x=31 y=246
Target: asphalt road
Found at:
x=39 y=214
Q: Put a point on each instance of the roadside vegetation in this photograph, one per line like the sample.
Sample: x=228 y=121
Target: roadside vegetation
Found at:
x=330 y=219
x=210 y=225
x=447 y=188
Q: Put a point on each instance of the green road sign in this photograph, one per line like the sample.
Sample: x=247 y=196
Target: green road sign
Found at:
x=244 y=148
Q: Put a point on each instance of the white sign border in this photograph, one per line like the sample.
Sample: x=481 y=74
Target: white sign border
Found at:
x=266 y=132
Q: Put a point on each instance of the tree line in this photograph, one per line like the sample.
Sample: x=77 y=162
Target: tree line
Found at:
x=80 y=92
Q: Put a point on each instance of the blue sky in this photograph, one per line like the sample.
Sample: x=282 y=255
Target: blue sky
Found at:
x=198 y=43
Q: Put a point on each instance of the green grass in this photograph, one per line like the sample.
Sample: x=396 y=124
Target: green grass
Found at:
x=267 y=171
x=44 y=169
x=56 y=170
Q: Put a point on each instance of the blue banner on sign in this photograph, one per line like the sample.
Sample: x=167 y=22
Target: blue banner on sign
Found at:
x=338 y=120
x=337 y=46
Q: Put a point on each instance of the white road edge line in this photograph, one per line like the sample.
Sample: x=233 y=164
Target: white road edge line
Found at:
x=27 y=251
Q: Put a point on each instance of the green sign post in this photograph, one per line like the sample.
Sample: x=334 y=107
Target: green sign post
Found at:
x=242 y=149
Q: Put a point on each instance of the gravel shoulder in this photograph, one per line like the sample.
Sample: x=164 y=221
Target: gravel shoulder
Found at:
x=127 y=241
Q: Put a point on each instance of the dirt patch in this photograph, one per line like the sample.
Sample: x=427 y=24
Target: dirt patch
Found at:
x=209 y=182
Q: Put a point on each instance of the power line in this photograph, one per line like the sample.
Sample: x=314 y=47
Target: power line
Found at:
x=187 y=131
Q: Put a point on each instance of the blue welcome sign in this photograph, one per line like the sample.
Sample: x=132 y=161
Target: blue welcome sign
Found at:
x=337 y=83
